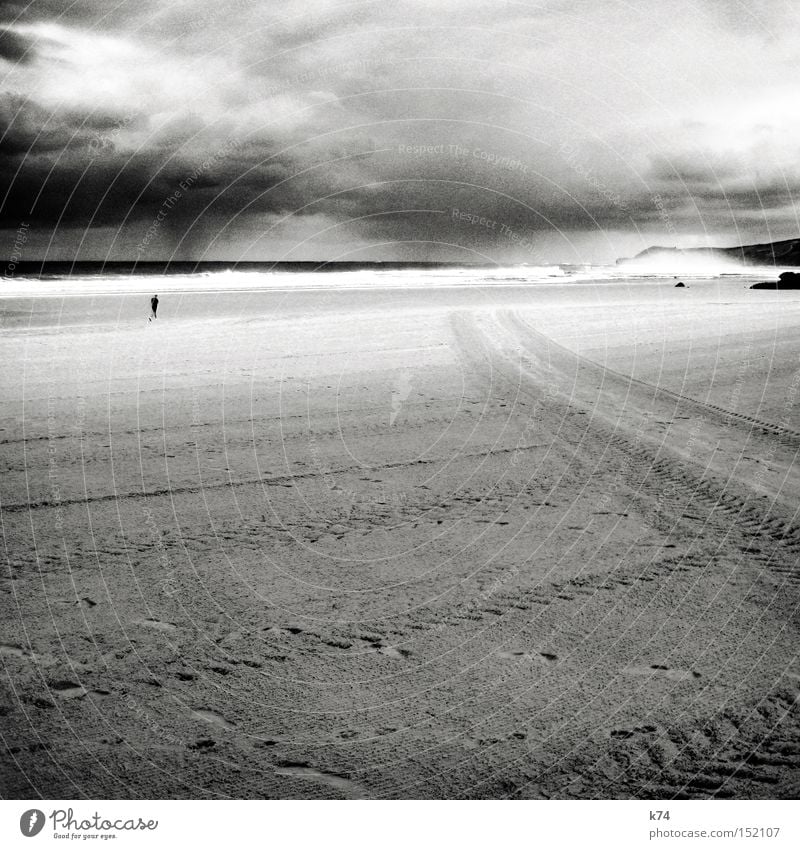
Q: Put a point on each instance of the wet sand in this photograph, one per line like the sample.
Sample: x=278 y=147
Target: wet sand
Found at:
x=467 y=542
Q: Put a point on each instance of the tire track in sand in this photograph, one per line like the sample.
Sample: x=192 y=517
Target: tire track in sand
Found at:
x=502 y=347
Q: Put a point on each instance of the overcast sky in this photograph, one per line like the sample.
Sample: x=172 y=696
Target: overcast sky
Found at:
x=561 y=130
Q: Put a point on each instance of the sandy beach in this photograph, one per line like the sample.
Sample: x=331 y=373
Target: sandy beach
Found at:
x=445 y=542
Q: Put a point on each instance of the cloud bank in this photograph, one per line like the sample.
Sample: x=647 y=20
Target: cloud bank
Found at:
x=469 y=130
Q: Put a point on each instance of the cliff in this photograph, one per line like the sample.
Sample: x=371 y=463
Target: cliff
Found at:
x=786 y=252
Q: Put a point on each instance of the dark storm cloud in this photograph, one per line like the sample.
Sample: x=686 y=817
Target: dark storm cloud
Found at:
x=695 y=171
x=96 y=14
x=14 y=47
x=27 y=129
x=378 y=121
x=72 y=172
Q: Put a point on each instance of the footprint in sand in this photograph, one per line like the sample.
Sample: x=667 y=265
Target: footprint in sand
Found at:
x=337 y=643
x=99 y=694
x=659 y=670
x=201 y=745
x=212 y=718
x=68 y=689
x=627 y=733
x=389 y=651
x=183 y=675
x=347 y=734
x=167 y=627
x=544 y=657
x=344 y=785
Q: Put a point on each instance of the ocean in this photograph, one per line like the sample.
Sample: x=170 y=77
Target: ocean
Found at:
x=32 y=279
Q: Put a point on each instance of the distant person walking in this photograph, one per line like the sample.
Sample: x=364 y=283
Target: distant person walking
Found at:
x=154 y=307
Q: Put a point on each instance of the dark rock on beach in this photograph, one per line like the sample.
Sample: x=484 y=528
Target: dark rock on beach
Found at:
x=787 y=280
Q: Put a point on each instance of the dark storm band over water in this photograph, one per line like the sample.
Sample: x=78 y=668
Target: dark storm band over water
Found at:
x=60 y=268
